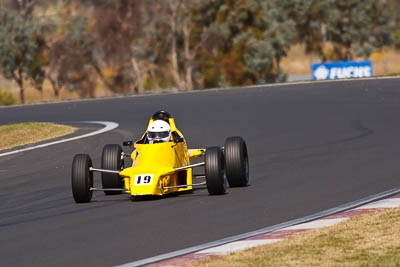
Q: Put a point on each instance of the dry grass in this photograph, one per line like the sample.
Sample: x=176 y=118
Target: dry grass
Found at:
x=297 y=62
x=47 y=95
x=13 y=135
x=367 y=240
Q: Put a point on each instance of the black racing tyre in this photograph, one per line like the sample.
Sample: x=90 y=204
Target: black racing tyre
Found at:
x=214 y=169
x=81 y=178
x=236 y=161
x=111 y=159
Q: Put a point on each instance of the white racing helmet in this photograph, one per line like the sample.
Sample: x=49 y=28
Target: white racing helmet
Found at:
x=158 y=131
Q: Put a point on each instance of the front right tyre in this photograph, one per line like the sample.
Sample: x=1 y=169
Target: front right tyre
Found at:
x=236 y=161
x=82 y=178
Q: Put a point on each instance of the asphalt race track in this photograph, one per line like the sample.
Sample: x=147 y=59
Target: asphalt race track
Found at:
x=311 y=146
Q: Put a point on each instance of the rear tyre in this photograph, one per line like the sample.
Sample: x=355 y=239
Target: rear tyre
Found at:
x=111 y=159
x=236 y=161
x=81 y=178
x=214 y=169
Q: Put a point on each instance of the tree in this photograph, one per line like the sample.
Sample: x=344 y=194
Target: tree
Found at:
x=310 y=20
x=396 y=33
x=181 y=26
x=72 y=59
x=174 y=39
x=278 y=29
x=22 y=49
x=381 y=25
x=115 y=26
x=256 y=35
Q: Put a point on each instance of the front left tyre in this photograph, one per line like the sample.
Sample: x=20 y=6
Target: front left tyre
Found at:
x=82 y=178
x=111 y=159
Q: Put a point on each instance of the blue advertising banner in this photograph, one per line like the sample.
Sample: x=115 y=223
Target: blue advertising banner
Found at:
x=342 y=69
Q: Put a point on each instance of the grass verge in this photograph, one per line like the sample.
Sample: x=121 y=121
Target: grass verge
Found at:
x=13 y=135
x=365 y=240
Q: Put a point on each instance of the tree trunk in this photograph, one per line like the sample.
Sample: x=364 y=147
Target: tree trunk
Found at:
x=20 y=81
x=278 y=65
x=384 y=61
x=155 y=80
x=138 y=75
x=56 y=89
x=189 y=79
x=175 y=66
x=188 y=55
x=174 y=53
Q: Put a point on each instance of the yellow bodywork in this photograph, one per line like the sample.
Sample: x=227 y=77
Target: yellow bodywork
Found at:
x=153 y=167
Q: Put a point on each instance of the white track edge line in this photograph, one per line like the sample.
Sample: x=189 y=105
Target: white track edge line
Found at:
x=238 y=246
x=316 y=224
x=108 y=127
x=319 y=215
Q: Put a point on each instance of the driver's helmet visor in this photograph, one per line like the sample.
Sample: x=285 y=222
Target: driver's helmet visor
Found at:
x=158 y=135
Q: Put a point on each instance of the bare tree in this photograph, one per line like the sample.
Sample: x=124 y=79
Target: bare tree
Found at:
x=181 y=25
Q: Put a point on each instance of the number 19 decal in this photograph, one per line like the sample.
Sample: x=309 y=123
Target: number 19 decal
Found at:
x=144 y=179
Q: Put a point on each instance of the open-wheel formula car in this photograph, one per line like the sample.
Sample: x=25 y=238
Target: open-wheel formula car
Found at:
x=161 y=167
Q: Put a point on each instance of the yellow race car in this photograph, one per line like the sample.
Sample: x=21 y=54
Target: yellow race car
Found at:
x=162 y=164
